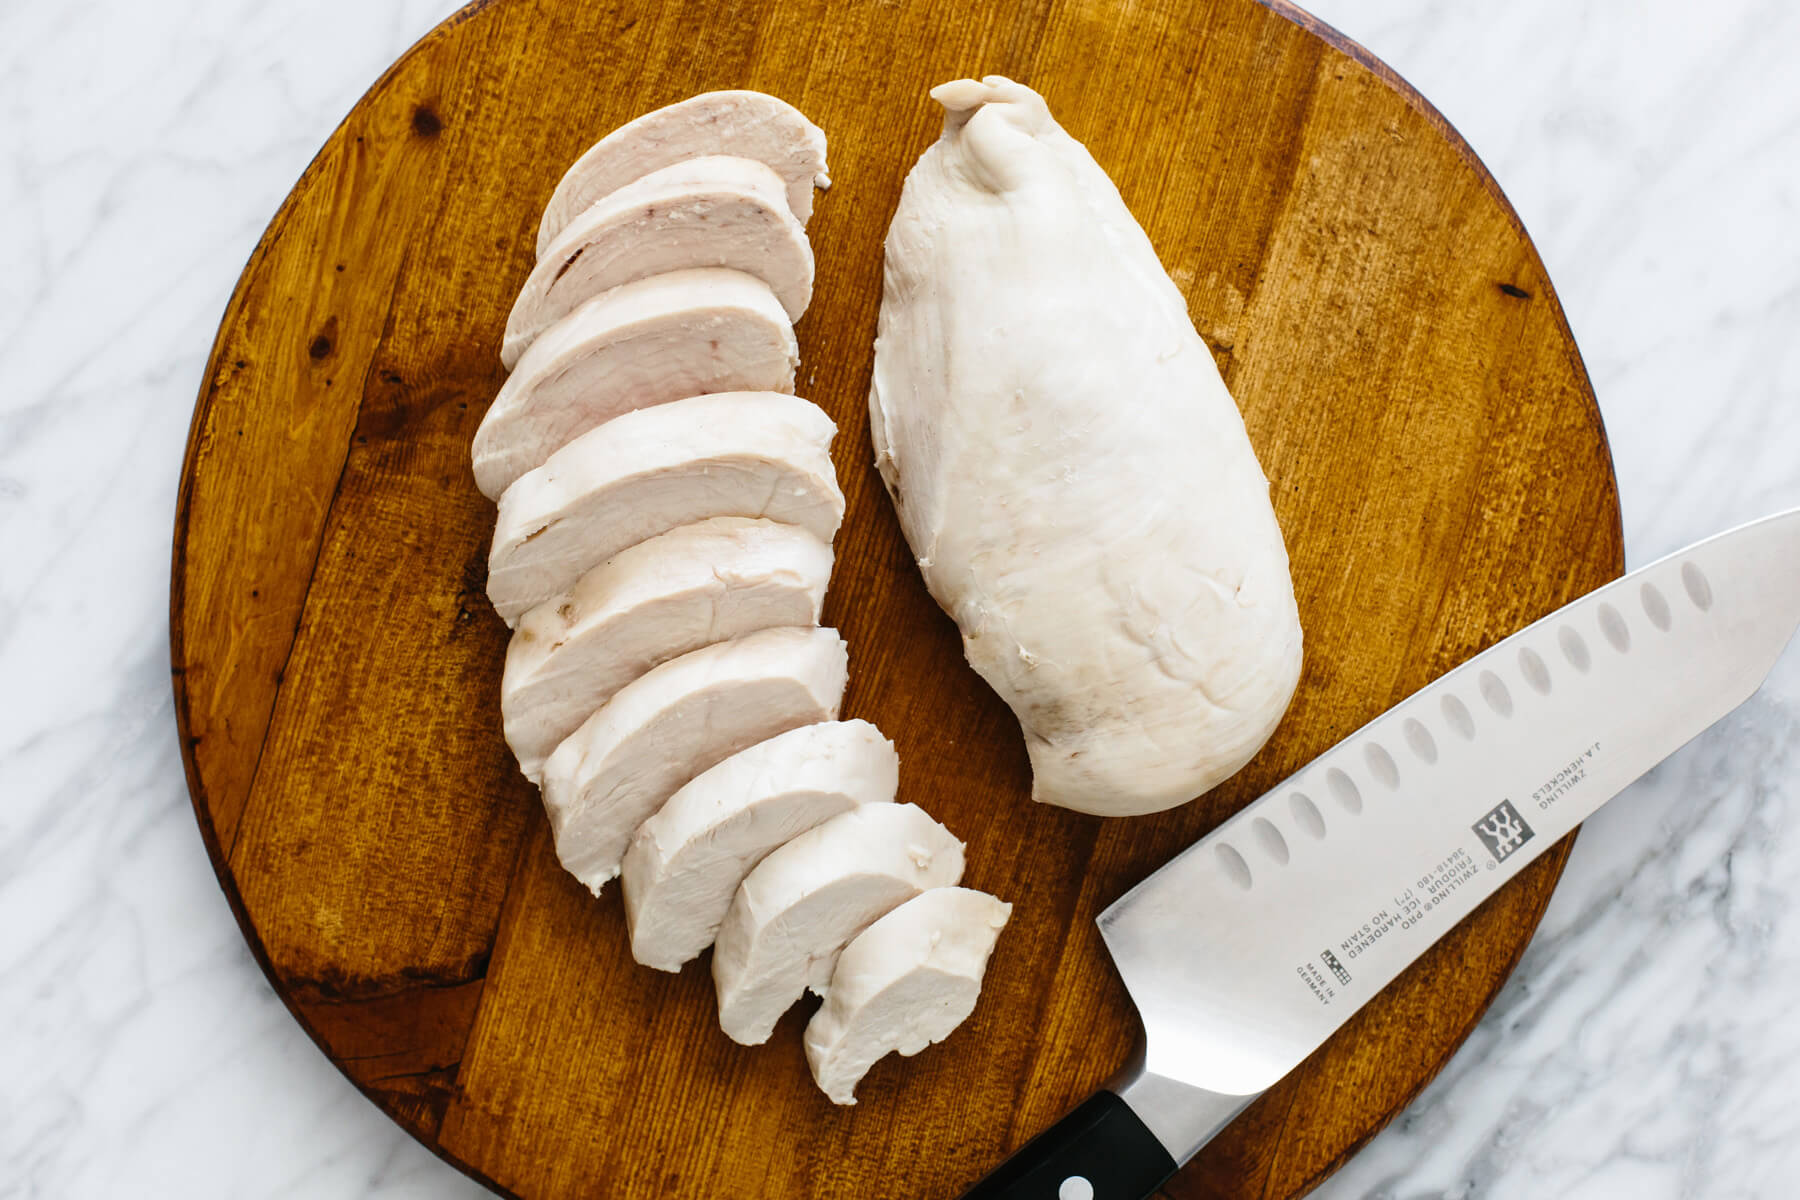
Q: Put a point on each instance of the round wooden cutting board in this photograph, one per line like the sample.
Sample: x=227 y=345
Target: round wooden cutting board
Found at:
x=1438 y=466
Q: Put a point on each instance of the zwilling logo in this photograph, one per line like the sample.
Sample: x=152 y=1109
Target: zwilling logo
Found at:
x=1337 y=968
x=1502 y=831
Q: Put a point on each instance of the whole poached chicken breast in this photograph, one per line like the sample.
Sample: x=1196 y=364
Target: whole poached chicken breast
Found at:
x=1073 y=478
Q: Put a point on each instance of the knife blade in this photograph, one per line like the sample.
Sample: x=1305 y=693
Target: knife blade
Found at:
x=1251 y=947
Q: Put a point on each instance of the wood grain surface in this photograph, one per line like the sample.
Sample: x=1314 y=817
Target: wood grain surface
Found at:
x=1438 y=466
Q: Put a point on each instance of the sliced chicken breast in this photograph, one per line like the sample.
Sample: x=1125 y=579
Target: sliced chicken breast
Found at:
x=674 y=722
x=686 y=862
x=732 y=454
x=747 y=124
x=649 y=342
x=690 y=587
x=704 y=212
x=904 y=983
x=796 y=910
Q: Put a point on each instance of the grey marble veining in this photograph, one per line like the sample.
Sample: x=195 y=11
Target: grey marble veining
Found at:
x=1648 y=1046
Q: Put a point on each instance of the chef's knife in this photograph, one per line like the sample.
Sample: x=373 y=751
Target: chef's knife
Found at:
x=1250 y=948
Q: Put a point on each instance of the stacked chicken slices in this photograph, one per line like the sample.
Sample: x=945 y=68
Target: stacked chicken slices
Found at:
x=666 y=512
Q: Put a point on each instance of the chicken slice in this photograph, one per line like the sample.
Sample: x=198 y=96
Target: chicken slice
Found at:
x=1074 y=479
x=905 y=982
x=649 y=342
x=731 y=454
x=746 y=124
x=705 y=212
x=690 y=587
x=795 y=911
x=685 y=862
x=674 y=722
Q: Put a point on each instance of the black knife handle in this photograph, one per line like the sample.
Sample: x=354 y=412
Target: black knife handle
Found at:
x=1101 y=1151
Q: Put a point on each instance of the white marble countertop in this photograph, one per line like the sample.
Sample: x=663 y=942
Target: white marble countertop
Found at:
x=1648 y=1045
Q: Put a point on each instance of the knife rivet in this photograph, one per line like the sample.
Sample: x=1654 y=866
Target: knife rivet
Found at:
x=1075 y=1187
